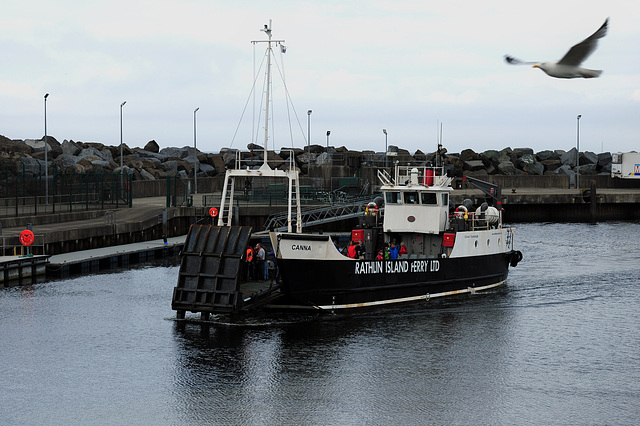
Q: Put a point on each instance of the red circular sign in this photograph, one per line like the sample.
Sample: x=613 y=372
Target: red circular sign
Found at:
x=213 y=212
x=26 y=237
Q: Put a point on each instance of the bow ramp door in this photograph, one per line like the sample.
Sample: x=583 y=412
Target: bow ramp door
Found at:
x=209 y=279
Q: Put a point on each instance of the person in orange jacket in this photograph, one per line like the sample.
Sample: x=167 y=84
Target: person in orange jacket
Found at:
x=249 y=264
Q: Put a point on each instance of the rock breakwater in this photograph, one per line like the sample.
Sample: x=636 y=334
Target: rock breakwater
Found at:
x=27 y=157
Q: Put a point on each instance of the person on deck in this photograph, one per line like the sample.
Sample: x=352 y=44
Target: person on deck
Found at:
x=352 y=251
x=249 y=264
x=402 y=250
x=393 y=251
x=261 y=255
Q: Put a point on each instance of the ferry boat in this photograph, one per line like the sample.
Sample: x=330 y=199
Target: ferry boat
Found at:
x=449 y=251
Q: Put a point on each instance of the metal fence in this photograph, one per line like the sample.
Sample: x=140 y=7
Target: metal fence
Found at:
x=27 y=194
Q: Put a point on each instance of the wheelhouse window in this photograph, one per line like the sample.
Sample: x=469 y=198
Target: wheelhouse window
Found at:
x=411 y=198
x=393 y=198
x=429 y=198
x=445 y=199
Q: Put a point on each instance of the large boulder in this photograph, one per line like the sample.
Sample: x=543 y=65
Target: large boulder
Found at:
x=93 y=154
x=546 y=155
x=36 y=145
x=534 y=168
x=489 y=154
x=604 y=158
x=207 y=169
x=469 y=155
x=524 y=160
x=473 y=165
x=176 y=152
x=588 y=157
x=9 y=148
x=506 y=168
x=588 y=169
x=419 y=156
x=66 y=161
x=169 y=167
x=565 y=169
x=569 y=158
x=70 y=147
x=551 y=164
x=152 y=146
x=145 y=175
x=500 y=157
x=519 y=152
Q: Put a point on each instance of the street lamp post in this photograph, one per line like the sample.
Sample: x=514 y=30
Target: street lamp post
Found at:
x=328 y=133
x=121 y=163
x=308 y=141
x=46 y=164
x=578 y=153
x=195 y=153
x=386 y=147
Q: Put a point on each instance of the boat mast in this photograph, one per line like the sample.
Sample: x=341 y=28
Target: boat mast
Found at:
x=267 y=30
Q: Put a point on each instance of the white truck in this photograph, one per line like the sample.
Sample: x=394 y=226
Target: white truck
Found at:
x=625 y=165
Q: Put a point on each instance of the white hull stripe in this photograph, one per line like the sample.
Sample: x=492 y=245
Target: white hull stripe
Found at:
x=425 y=297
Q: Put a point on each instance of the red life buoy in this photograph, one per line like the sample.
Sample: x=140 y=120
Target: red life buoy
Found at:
x=460 y=211
x=26 y=237
x=213 y=212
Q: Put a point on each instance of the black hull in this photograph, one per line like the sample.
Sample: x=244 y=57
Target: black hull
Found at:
x=336 y=284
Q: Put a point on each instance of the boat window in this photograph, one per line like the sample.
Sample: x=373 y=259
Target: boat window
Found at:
x=411 y=198
x=393 y=198
x=429 y=198
x=445 y=199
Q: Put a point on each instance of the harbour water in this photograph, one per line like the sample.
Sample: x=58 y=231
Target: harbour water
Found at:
x=560 y=344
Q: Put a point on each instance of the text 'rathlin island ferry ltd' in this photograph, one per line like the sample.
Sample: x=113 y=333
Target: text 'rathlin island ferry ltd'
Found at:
x=448 y=252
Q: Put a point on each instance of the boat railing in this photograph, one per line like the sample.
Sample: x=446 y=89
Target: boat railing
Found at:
x=254 y=160
x=424 y=175
x=478 y=222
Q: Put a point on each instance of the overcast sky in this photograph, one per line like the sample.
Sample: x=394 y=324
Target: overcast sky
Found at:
x=360 y=66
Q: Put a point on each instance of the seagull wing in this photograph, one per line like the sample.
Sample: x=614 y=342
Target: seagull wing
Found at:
x=581 y=51
x=515 y=61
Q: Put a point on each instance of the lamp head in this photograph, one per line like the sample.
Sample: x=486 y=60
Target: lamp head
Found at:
x=384 y=131
x=309 y=112
x=46 y=96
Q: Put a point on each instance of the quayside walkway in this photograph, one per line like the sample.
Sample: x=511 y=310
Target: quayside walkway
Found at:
x=129 y=234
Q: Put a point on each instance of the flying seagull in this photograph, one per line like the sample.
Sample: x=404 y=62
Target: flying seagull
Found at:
x=569 y=65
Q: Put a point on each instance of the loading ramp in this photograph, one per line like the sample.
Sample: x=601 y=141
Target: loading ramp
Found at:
x=210 y=280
